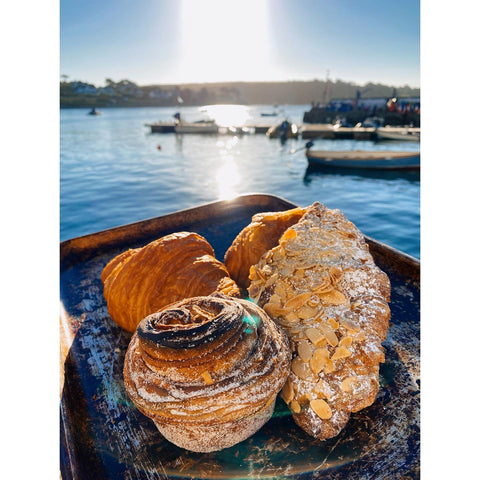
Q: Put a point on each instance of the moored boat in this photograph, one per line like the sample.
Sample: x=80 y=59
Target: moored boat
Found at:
x=161 y=127
x=399 y=133
x=382 y=160
x=197 y=127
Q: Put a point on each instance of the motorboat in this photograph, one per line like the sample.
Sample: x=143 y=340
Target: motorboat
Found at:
x=410 y=134
x=202 y=126
x=381 y=160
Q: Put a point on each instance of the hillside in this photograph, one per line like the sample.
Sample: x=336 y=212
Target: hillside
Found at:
x=127 y=93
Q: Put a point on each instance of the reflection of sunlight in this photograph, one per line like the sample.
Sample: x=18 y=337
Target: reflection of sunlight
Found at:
x=228 y=115
x=225 y=41
x=227 y=178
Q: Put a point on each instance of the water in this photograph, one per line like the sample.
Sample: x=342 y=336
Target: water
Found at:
x=113 y=171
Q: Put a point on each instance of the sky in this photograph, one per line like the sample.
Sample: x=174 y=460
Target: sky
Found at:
x=192 y=41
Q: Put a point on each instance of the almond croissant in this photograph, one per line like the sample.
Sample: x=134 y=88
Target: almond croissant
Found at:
x=139 y=282
x=321 y=285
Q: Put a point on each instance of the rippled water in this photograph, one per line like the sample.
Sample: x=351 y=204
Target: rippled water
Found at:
x=113 y=171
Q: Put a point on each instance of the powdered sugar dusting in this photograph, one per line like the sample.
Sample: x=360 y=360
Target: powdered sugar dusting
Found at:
x=203 y=409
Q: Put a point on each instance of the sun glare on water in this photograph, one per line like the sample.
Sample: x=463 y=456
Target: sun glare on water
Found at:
x=227 y=175
x=224 y=41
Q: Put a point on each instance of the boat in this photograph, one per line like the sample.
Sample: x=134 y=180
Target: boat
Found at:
x=269 y=114
x=161 y=127
x=380 y=160
x=410 y=134
x=202 y=126
x=283 y=130
x=94 y=111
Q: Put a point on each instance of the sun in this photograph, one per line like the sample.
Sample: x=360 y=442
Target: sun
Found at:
x=225 y=41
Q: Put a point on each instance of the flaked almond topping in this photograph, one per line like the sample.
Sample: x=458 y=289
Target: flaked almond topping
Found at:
x=273 y=309
x=347 y=384
x=349 y=324
x=275 y=299
x=321 y=408
x=341 y=352
x=306 y=397
x=319 y=359
x=333 y=297
x=292 y=318
x=335 y=274
x=334 y=324
x=322 y=390
x=359 y=337
x=297 y=301
x=287 y=392
x=345 y=342
x=295 y=330
x=301 y=369
x=323 y=287
x=329 y=333
x=304 y=350
x=314 y=301
x=207 y=377
x=289 y=234
x=314 y=335
x=329 y=367
x=280 y=289
x=306 y=312
x=271 y=280
x=298 y=275
x=295 y=406
x=259 y=273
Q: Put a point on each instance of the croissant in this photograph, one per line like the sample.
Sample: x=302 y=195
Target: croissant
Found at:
x=207 y=370
x=253 y=241
x=321 y=285
x=140 y=281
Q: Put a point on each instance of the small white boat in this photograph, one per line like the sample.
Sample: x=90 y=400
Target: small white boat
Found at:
x=399 y=133
x=197 y=127
x=379 y=160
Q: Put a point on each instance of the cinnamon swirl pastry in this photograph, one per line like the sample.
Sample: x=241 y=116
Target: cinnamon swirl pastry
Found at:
x=254 y=240
x=322 y=286
x=139 y=282
x=207 y=370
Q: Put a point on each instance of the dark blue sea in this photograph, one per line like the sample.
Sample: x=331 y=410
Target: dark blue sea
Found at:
x=113 y=171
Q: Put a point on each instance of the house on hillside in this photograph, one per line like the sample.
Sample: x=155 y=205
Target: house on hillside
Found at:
x=84 y=88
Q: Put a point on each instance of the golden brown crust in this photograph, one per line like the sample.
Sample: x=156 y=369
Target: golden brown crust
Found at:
x=207 y=370
x=255 y=239
x=323 y=287
x=139 y=282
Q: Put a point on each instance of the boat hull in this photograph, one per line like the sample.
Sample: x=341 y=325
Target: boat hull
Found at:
x=364 y=160
x=403 y=134
x=196 y=128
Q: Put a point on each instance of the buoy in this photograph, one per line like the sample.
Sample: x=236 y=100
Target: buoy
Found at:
x=159 y=147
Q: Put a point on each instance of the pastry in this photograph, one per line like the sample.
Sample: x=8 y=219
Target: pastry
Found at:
x=253 y=241
x=321 y=285
x=140 y=281
x=207 y=370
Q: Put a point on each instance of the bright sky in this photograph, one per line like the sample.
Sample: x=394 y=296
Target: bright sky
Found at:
x=188 y=41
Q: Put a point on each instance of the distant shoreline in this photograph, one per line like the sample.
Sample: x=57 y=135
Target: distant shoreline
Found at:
x=128 y=94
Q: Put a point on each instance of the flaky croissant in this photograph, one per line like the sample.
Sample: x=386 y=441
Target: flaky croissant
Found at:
x=207 y=370
x=140 y=281
x=321 y=285
x=253 y=241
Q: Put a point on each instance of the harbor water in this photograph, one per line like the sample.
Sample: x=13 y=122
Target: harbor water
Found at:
x=114 y=171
